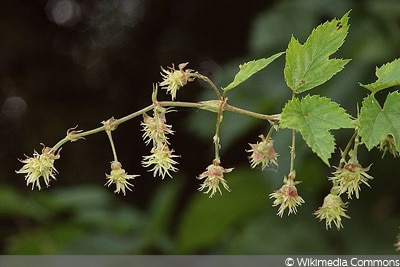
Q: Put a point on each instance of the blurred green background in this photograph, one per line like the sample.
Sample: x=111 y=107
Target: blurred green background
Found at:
x=70 y=62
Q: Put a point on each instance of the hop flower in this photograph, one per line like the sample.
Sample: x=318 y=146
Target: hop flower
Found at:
x=263 y=153
x=349 y=178
x=173 y=79
x=214 y=175
x=40 y=165
x=332 y=210
x=287 y=197
x=388 y=144
x=155 y=128
x=162 y=159
x=119 y=177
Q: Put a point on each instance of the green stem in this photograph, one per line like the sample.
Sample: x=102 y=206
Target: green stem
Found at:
x=270 y=131
x=275 y=117
x=347 y=149
x=292 y=152
x=354 y=158
x=217 y=129
x=112 y=145
x=220 y=106
x=207 y=80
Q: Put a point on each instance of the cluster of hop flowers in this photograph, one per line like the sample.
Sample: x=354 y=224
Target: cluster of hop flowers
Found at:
x=286 y=197
x=155 y=130
x=346 y=179
x=162 y=162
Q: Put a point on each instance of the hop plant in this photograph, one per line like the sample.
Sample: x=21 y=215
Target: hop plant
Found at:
x=313 y=117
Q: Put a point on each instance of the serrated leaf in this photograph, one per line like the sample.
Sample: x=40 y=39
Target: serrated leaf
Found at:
x=388 y=75
x=377 y=122
x=314 y=116
x=250 y=68
x=308 y=65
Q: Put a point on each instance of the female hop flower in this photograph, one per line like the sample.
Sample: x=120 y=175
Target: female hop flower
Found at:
x=162 y=160
x=214 y=176
x=119 y=177
x=263 y=153
x=332 y=210
x=349 y=178
x=287 y=197
x=174 y=79
x=40 y=165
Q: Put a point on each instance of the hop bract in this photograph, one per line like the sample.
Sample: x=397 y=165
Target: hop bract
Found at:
x=214 y=176
x=40 y=165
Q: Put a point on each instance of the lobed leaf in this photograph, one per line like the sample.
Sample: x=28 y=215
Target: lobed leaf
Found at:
x=388 y=76
x=308 y=65
x=250 y=68
x=314 y=116
x=377 y=122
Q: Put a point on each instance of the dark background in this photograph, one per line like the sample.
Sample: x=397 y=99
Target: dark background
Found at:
x=67 y=62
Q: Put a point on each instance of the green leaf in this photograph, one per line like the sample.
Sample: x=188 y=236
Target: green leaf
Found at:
x=314 y=116
x=377 y=122
x=308 y=65
x=250 y=68
x=388 y=76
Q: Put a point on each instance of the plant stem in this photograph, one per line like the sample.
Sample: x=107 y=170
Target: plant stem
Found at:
x=207 y=80
x=219 y=106
x=112 y=145
x=270 y=131
x=347 y=149
x=217 y=129
x=292 y=151
x=275 y=117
